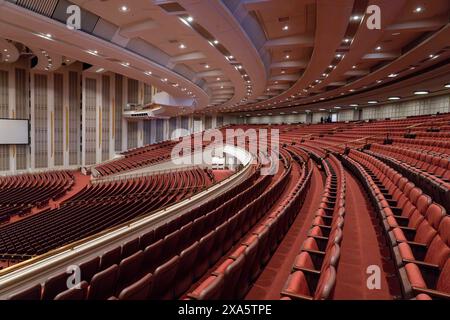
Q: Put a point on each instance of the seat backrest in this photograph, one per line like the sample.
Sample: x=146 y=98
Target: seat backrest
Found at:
x=78 y=292
x=31 y=293
x=130 y=247
x=138 y=290
x=163 y=279
x=209 y=289
x=443 y=283
x=129 y=269
x=103 y=283
x=439 y=250
x=89 y=268
x=55 y=285
x=325 y=286
x=422 y=203
x=151 y=258
x=110 y=257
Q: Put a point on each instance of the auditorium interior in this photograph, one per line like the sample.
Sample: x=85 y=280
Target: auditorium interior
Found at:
x=224 y=150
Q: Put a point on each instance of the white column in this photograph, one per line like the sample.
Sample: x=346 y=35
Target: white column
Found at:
x=50 y=120
x=83 y=121
x=140 y=133
x=124 y=121
x=12 y=112
x=99 y=119
x=65 y=123
x=32 y=122
x=112 y=116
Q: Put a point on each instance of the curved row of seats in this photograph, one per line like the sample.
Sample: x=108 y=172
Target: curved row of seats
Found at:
x=19 y=194
x=313 y=274
x=418 y=229
x=232 y=277
x=94 y=210
x=160 y=252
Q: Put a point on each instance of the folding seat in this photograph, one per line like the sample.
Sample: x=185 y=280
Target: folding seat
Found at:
x=198 y=227
x=138 y=290
x=300 y=287
x=171 y=245
x=426 y=230
x=217 y=248
x=161 y=232
x=152 y=256
x=89 y=268
x=103 y=284
x=210 y=289
x=204 y=248
x=308 y=261
x=110 y=257
x=146 y=239
x=78 y=292
x=245 y=278
x=31 y=293
x=130 y=247
x=185 y=274
x=55 y=285
x=163 y=280
x=130 y=270
x=185 y=236
x=231 y=270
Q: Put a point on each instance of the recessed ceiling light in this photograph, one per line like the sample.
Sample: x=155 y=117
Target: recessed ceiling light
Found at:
x=322 y=109
x=288 y=56
x=372 y=102
x=286 y=28
x=356 y=18
x=379 y=81
x=354 y=67
x=48 y=35
x=421 y=92
x=394 y=98
x=239 y=67
x=182 y=46
x=148 y=73
x=432 y=56
x=447 y=86
x=124 y=9
x=337 y=107
x=396 y=34
x=418 y=10
x=189 y=19
x=354 y=105
x=331 y=66
x=6 y=50
x=218 y=79
x=283 y=71
x=339 y=55
x=164 y=80
x=100 y=70
x=347 y=40
x=125 y=64
x=378 y=48
x=216 y=42
x=207 y=66
x=393 y=75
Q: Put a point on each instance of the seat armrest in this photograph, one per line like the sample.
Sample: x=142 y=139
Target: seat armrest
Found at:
x=423 y=265
x=295 y=296
x=432 y=293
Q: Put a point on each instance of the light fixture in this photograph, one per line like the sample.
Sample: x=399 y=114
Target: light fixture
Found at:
x=164 y=80
x=372 y=102
x=218 y=79
x=189 y=19
x=149 y=73
x=356 y=18
x=216 y=42
x=432 y=56
x=354 y=67
x=207 y=66
x=283 y=71
x=239 y=67
x=286 y=28
x=379 y=81
x=124 y=9
x=6 y=50
x=354 y=105
x=393 y=75
x=182 y=46
x=48 y=35
x=421 y=92
x=322 y=109
x=394 y=98
x=337 y=107
x=125 y=64
x=339 y=55
x=418 y=10
x=100 y=70
x=378 y=48
x=347 y=40
x=447 y=86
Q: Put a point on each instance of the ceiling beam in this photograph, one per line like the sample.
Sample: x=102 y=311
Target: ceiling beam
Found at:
x=355 y=73
x=135 y=29
x=420 y=25
x=285 y=77
x=382 y=56
x=289 y=65
x=293 y=41
x=193 y=56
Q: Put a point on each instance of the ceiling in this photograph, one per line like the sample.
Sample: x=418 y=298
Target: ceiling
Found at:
x=244 y=56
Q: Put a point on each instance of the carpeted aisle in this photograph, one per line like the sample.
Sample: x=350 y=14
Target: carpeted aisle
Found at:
x=360 y=249
x=271 y=281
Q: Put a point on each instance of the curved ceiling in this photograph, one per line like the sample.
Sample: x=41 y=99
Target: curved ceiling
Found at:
x=242 y=56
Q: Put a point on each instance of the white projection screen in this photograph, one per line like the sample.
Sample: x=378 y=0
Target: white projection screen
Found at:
x=14 y=131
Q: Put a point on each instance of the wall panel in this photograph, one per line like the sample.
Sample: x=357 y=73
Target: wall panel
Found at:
x=40 y=121
x=91 y=124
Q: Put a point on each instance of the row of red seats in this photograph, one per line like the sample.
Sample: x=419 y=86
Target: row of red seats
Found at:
x=84 y=217
x=233 y=276
x=19 y=194
x=418 y=229
x=152 y=250
x=313 y=274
